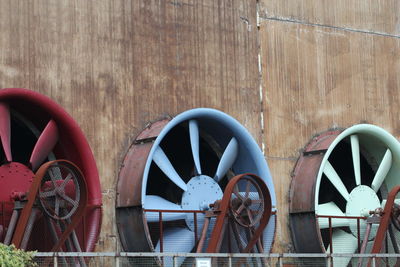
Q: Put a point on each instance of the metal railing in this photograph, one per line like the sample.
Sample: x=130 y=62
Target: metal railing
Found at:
x=191 y=259
x=195 y=221
x=160 y=222
x=330 y=228
x=168 y=259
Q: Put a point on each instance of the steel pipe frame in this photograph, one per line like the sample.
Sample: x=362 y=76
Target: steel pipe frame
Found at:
x=26 y=213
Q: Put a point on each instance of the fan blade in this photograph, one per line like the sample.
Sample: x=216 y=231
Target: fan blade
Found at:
x=335 y=180
x=194 y=142
x=382 y=171
x=331 y=209
x=159 y=203
x=5 y=130
x=165 y=165
x=245 y=195
x=176 y=240
x=343 y=242
x=227 y=159
x=355 y=151
x=44 y=145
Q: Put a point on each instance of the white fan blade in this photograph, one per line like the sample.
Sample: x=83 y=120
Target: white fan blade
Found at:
x=382 y=171
x=331 y=209
x=335 y=180
x=194 y=143
x=165 y=165
x=343 y=242
x=176 y=240
x=227 y=159
x=355 y=151
x=159 y=203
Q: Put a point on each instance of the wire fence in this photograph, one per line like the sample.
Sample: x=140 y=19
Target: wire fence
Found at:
x=123 y=259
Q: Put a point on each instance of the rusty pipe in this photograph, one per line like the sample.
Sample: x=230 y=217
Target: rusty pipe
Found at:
x=203 y=235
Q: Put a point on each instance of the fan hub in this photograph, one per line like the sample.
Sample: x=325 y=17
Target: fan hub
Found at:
x=14 y=177
x=362 y=199
x=201 y=191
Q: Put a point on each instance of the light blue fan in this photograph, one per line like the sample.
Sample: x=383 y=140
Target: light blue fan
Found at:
x=236 y=152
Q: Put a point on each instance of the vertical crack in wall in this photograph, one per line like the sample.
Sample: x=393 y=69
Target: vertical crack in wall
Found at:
x=261 y=93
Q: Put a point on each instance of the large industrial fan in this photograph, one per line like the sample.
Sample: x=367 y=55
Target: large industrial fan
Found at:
x=33 y=131
x=340 y=179
x=173 y=172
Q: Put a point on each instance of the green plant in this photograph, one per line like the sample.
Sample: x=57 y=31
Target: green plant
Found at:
x=12 y=257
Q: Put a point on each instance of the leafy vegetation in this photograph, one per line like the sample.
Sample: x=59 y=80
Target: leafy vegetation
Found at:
x=10 y=256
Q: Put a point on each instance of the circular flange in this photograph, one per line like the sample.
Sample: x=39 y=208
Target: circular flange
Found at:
x=361 y=201
x=15 y=176
x=202 y=191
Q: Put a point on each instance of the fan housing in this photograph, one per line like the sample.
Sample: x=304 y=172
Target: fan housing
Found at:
x=344 y=174
x=33 y=130
x=180 y=164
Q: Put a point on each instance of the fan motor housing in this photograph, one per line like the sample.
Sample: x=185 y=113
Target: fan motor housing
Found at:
x=310 y=187
x=138 y=174
x=30 y=112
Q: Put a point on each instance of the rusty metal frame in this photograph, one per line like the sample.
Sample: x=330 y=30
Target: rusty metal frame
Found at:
x=218 y=231
x=222 y=210
x=160 y=221
x=31 y=198
x=330 y=217
x=385 y=220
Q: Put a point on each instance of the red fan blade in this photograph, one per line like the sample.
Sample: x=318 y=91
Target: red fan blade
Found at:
x=44 y=145
x=5 y=130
